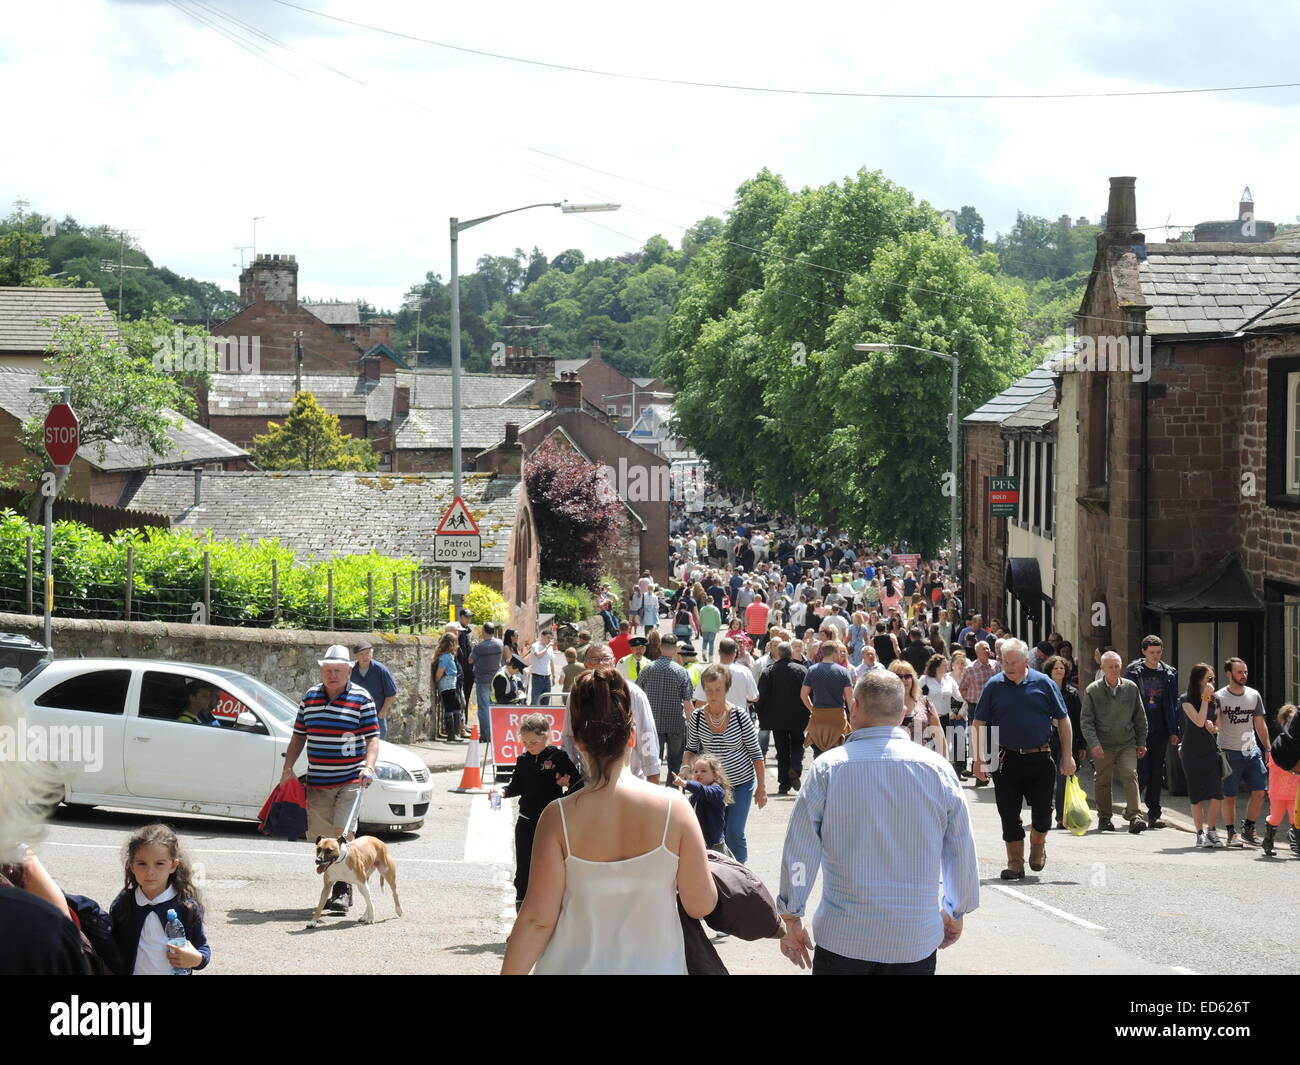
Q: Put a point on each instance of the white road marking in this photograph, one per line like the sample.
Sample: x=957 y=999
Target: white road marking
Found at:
x=1181 y=969
x=304 y=853
x=1050 y=909
x=490 y=835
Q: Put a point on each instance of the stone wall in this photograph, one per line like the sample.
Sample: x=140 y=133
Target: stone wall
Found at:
x=283 y=658
x=985 y=537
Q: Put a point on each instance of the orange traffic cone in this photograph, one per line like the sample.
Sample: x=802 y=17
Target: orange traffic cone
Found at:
x=471 y=780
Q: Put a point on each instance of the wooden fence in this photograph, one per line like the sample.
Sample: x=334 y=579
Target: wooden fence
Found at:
x=102 y=518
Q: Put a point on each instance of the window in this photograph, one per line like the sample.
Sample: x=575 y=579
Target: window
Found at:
x=1283 y=433
x=1023 y=469
x=1038 y=484
x=1049 y=490
x=627 y=410
x=1098 y=435
x=1291 y=644
x=102 y=691
x=988 y=520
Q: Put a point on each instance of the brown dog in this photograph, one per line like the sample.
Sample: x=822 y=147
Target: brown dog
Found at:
x=352 y=862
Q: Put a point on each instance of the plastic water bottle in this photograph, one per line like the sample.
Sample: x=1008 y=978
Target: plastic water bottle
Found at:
x=176 y=938
x=495 y=800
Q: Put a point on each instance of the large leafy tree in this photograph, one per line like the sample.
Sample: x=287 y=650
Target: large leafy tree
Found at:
x=117 y=391
x=310 y=439
x=578 y=519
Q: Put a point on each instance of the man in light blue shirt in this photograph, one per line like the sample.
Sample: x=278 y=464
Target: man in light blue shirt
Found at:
x=884 y=818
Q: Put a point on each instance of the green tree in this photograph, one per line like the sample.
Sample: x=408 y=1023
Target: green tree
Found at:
x=310 y=439
x=971 y=227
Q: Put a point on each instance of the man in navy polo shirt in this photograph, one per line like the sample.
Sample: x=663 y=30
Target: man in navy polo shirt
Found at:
x=1022 y=706
x=377 y=680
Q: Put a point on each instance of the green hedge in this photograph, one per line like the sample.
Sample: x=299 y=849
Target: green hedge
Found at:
x=90 y=578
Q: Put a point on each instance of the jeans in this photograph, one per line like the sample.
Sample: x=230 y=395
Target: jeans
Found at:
x=1023 y=778
x=541 y=685
x=452 y=711
x=525 y=830
x=708 y=638
x=789 y=755
x=734 y=819
x=383 y=728
x=1151 y=771
x=828 y=963
x=483 y=695
x=672 y=745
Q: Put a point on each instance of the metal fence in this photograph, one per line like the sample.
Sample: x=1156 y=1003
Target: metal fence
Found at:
x=410 y=605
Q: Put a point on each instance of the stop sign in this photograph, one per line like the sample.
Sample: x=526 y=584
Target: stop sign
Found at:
x=62 y=434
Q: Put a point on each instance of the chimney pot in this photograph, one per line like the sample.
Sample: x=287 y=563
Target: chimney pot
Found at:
x=1121 y=212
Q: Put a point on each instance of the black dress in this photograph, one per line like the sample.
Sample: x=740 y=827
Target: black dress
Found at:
x=1199 y=751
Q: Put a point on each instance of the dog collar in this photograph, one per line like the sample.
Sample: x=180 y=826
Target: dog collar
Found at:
x=343 y=851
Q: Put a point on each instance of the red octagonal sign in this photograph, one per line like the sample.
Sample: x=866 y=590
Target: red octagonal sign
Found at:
x=62 y=434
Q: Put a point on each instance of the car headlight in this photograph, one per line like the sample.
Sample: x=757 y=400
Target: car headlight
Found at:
x=389 y=771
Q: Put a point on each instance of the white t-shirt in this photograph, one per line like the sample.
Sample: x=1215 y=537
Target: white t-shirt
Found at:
x=1237 y=715
x=798 y=611
x=740 y=692
x=543 y=666
x=839 y=623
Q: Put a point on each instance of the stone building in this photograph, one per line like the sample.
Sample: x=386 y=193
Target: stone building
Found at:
x=1184 y=497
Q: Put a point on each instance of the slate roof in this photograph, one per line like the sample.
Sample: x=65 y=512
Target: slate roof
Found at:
x=191 y=442
x=1215 y=289
x=402 y=510
x=1038 y=413
x=1017 y=396
x=1224 y=587
x=23 y=309
x=1282 y=315
x=569 y=365
x=335 y=312
x=271 y=395
x=480 y=427
x=432 y=388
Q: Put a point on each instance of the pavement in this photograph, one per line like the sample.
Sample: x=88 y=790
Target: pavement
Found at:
x=1110 y=903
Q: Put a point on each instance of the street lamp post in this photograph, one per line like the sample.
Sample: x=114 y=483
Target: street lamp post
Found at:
x=953 y=437
x=456 y=227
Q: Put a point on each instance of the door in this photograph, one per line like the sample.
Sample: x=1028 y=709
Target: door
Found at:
x=173 y=754
x=84 y=719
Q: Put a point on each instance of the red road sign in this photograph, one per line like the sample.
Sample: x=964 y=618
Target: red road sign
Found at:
x=62 y=434
x=457 y=521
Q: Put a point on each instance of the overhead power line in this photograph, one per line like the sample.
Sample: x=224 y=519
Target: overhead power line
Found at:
x=776 y=90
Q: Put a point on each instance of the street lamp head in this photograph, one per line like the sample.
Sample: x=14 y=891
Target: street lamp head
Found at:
x=873 y=347
x=47 y=390
x=588 y=208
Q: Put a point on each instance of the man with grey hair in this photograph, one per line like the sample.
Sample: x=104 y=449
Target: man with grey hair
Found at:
x=644 y=761
x=1022 y=706
x=1114 y=722
x=883 y=870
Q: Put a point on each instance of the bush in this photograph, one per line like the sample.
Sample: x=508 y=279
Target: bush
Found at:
x=486 y=604
x=568 y=602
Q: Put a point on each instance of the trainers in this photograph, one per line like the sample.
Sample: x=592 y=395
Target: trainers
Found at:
x=1106 y=826
x=1293 y=841
x=1234 y=841
x=1212 y=838
x=1137 y=825
x=1202 y=843
x=1248 y=833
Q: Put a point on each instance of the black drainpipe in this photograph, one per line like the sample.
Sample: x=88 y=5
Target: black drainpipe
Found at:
x=1142 y=503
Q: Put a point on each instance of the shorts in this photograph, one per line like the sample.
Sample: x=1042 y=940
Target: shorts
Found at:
x=1249 y=768
x=328 y=808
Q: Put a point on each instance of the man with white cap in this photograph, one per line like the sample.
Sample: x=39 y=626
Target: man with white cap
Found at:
x=339 y=727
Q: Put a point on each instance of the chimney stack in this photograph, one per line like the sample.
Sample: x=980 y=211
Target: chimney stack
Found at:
x=401 y=401
x=512 y=432
x=1246 y=208
x=567 y=392
x=273 y=278
x=1121 y=212
x=370 y=366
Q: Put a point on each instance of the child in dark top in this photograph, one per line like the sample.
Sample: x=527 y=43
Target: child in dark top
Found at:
x=710 y=795
x=541 y=775
x=158 y=879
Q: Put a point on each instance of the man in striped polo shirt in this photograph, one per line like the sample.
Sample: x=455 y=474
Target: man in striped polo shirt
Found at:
x=338 y=725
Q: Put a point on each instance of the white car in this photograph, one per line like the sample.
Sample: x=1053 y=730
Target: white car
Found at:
x=134 y=752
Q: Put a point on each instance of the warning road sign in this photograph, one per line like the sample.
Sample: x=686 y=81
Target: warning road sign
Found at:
x=457 y=521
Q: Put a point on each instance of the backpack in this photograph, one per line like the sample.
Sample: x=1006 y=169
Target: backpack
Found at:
x=97 y=944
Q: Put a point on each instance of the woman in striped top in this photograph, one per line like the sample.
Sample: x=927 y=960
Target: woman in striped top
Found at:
x=727 y=733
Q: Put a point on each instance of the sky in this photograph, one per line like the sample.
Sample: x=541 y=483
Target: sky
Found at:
x=356 y=146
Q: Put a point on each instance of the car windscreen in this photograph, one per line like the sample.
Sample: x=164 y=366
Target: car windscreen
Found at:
x=276 y=703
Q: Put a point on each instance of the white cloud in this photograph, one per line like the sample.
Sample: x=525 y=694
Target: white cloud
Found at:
x=137 y=115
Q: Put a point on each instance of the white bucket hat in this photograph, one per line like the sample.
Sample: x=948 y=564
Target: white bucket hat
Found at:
x=337 y=655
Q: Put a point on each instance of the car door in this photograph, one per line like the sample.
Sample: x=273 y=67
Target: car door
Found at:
x=193 y=764
x=88 y=710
